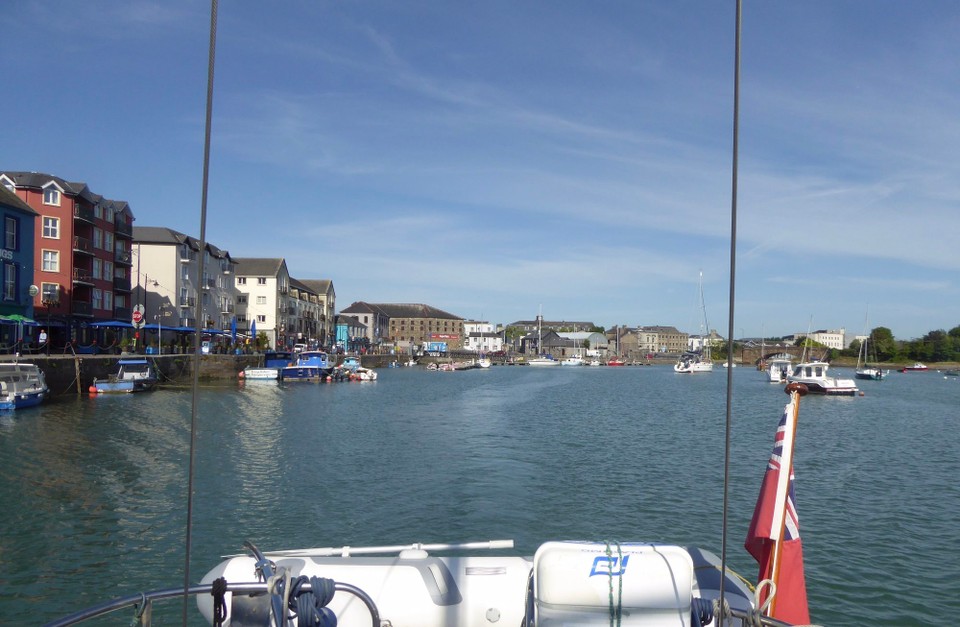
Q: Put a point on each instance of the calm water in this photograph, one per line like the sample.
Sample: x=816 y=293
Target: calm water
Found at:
x=93 y=489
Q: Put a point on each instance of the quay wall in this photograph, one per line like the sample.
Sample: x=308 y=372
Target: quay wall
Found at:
x=74 y=374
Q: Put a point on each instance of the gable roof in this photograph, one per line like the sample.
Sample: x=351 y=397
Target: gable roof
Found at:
x=319 y=286
x=259 y=266
x=10 y=199
x=163 y=235
x=39 y=180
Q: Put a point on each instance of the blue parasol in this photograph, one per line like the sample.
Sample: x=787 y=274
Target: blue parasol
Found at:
x=233 y=329
x=253 y=330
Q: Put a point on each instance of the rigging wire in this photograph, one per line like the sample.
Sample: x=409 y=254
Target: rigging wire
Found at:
x=198 y=311
x=733 y=283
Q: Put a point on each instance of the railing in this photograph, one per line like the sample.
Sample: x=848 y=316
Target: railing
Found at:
x=188 y=301
x=123 y=256
x=83 y=213
x=82 y=244
x=82 y=276
x=81 y=308
x=122 y=313
x=226 y=308
x=121 y=284
x=122 y=228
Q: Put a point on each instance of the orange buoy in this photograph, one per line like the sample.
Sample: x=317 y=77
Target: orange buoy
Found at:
x=93 y=389
x=240 y=374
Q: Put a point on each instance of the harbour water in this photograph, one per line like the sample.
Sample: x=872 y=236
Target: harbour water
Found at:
x=93 y=490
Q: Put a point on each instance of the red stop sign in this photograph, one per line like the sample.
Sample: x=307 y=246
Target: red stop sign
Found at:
x=137 y=316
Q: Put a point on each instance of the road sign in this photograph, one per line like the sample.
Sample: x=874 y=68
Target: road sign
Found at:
x=137 y=316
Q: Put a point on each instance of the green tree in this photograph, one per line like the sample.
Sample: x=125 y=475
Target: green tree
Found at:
x=883 y=343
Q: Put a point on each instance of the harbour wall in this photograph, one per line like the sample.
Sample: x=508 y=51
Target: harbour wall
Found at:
x=74 y=374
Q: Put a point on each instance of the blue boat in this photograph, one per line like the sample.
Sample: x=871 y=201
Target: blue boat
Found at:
x=132 y=375
x=310 y=366
x=350 y=363
x=21 y=385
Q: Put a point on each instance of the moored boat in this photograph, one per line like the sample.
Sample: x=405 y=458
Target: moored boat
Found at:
x=309 y=366
x=273 y=364
x=543 y=360
x=132 y=375
x=813 y=374
x=778 y=367
x=21 y=385
x=572 y=361
x=693 y=361
x=616 y=361
x=915 y=367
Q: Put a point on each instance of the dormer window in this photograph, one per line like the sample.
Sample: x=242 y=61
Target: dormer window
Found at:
x=51 y=196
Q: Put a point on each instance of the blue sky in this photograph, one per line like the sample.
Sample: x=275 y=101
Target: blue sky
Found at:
x=492 y=158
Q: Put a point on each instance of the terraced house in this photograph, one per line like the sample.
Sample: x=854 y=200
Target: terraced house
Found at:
x=404 y=325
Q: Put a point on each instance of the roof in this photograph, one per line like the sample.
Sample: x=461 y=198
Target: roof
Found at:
x=400 y=310
x=259 y=266
x=39 y=180
x=163 y=235
x=320 y=286
x=10 y=199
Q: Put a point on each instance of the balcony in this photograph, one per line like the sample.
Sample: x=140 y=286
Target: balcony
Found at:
x=226 y=308
x=121 y=284
x=81 y=308
x=122 y=313
x=187 y=255
x=122 y=229
x=123 y=257
x=82 y=277
x=188 y=322
x=210 y=283
x=82 y=245
x=188 y=301
x=84 y=214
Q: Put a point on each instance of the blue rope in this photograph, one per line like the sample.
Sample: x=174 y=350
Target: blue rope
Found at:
x=309 y=605
x=701 y=612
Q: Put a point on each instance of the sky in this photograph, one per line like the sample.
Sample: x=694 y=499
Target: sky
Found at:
x=502 y=158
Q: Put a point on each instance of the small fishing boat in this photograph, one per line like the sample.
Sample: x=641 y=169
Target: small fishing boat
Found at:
x=616 y=361
x=917 y=366
x=21 y=385
x=309 y=366
x=350 y=363
x=132 y=375
x=363 y=374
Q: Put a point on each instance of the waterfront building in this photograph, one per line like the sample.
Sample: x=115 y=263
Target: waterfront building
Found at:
x=16 y=269
x=350 y=334
x=322 y=316
x=82 y=256
x=263 y=289
x=402 y=325
x=169 y=282
x=829 y=338
x=481 y=337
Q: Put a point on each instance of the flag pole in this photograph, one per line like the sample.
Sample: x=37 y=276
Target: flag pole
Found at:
x=795 y=390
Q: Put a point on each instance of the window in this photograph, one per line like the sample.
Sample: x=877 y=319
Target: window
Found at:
x=98 y=211
x=261 y=280
x=51 y=261
x=50 y=293
x=261 y=318
x=98 y=238
x=108 y=240
x=11 y=227
x=108 y=300
x=261 y=300
x=108 y=270
x=9 y=281
x=51 y=227
x=51 y=196
x=97 y=269
x=241 y=280
x=241 y=318
x=120 y=300
x=242 y=299
x=97 y=299
x=108 y=214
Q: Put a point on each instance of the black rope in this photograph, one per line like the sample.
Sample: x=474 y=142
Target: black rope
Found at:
x=219 y=593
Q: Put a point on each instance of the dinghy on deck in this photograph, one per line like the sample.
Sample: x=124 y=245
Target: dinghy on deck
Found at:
x=564 y=583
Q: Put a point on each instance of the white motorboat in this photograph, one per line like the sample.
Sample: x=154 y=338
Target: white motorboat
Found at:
x=778 y=367
x=572 y=361
x=813 y=374
x=21 y=385
x=543 y=360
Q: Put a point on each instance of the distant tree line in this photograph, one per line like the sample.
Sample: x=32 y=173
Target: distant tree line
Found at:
x=935 y=346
